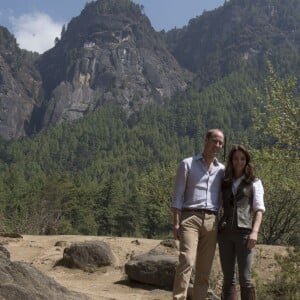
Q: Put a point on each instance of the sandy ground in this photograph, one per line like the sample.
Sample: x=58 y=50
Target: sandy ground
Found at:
x=110 y=283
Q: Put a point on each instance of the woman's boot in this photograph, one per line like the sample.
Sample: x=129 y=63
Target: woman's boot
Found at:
x=229 y=292
x=248 y=293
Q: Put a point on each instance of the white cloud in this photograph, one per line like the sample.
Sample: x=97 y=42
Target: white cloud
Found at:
x=36 y=31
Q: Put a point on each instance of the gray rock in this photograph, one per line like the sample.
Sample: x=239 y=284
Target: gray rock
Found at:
x=4 y=252
x=13 y=235
x=170 y=244
x=16 y=104
x=61 y=244
x=158 y=270
x=19 y=89
x=87 y=256
x=19 y=280
x=116 y=59
x=158 y=267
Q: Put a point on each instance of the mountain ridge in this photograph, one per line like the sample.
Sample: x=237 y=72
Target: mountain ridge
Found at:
x=111 y=55
x=237 y=35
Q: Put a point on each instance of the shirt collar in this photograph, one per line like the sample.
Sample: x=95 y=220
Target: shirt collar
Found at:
x=199 y=156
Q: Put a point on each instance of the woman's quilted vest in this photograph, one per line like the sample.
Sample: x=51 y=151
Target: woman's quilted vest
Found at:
x=237 y=209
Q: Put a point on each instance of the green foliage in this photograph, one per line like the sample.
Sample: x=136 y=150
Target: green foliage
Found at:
x=282 y=193
x=107 y=173
x=277 y=127
x=111 y=173
x=280 y=118
x=155 y=189
x=115 y=7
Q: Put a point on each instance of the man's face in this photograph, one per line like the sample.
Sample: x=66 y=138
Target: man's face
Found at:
x=214 y=144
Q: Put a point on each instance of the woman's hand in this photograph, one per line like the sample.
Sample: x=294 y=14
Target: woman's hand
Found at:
x=252 y=239
x=253 y=235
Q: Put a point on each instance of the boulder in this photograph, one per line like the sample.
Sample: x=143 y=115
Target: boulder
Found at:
x=61 y=244
x=158 y=270
x=87 y=255
x=158 y=266
x=13 y=235
x=19 y=280
x=4 y=252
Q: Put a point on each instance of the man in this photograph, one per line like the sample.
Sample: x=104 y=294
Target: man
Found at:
x=195 y=205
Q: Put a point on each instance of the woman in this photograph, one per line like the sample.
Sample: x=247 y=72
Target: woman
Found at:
x=243 y=206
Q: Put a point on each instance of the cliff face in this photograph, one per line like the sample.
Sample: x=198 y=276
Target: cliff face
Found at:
x=19 y=88
x=109 y=54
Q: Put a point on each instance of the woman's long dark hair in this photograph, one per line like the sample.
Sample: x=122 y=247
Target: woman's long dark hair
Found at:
x=249 y=171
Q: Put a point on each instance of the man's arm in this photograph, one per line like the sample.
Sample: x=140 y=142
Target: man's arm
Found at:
x=178 y=196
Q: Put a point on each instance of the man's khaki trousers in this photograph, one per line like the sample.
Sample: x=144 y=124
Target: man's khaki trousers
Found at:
x=198 y=237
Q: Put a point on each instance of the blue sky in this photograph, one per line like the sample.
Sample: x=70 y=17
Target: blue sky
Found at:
x=36 y=23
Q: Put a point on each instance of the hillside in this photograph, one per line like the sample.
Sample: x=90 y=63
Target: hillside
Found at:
x=240 y=35
x=111 y=283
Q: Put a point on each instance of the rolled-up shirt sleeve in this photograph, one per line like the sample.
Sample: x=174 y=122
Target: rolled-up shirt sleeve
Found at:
x=258 y=196
x=180 y=184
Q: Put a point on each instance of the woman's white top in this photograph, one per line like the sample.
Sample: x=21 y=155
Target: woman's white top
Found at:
x=258 y=193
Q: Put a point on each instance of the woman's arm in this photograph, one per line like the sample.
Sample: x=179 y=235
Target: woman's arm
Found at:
x=255 y=229
x=259 y=208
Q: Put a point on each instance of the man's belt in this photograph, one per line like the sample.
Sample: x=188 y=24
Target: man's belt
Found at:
x=200 y=210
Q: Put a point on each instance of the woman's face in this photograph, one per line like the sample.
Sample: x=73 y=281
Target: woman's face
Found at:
x=238 y=162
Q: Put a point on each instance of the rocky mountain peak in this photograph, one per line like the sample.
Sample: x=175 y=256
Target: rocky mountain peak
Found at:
x=109 y=54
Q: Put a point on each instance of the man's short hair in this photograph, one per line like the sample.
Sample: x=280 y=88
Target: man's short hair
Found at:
x=211 y=132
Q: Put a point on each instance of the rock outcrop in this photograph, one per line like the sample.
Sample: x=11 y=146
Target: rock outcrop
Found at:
x=19 y=88
x=109 y=55
x=157 y=267
x=158 y=270
x=87 y=256
x=19 y=280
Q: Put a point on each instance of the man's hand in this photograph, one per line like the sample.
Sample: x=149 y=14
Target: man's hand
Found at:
x=176 y=228
x=176 y=222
